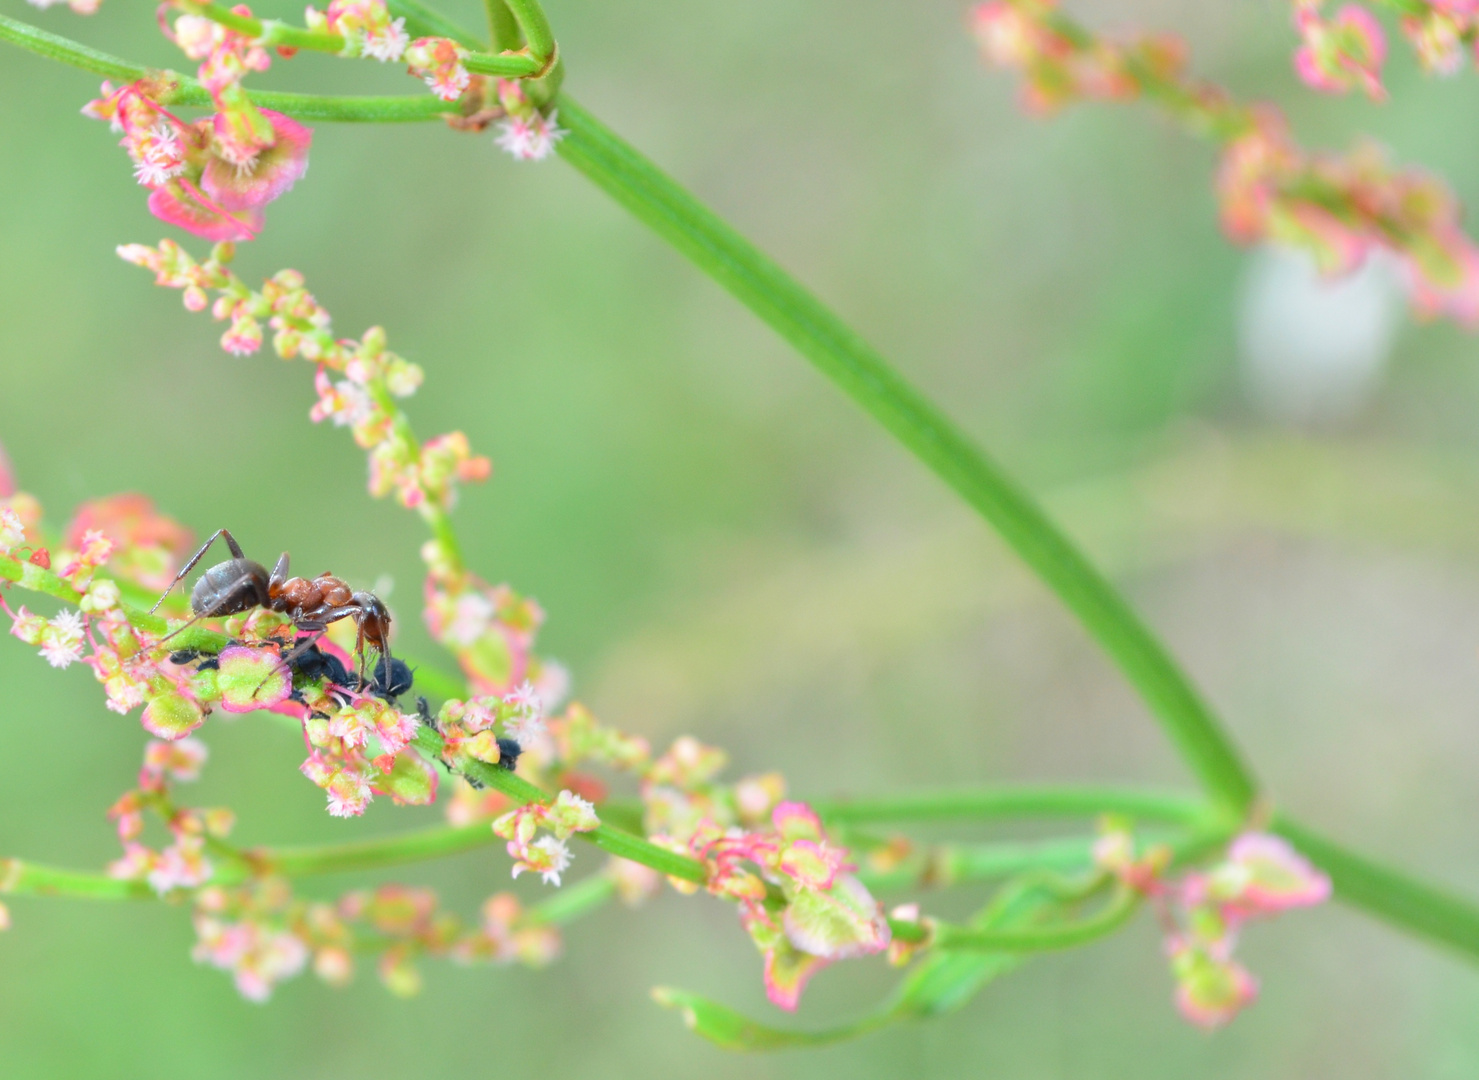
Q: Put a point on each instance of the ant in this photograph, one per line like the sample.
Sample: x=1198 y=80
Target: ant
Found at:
x=239 y=584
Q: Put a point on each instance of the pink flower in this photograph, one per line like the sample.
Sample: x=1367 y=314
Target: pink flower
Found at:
x=252 y=678
x=1210 y=991
x=1262 y=876
x=181 y=760
x=1438 y=37
x=271 y=172
x=62 y=640
x=530 y=138
x=182 y=865
x=178 y=204
x=1348 y=50
x=438 y=61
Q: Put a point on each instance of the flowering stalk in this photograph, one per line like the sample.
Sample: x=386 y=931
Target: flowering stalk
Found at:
x=862 y=373
x=174 y=89
x=800 y=897
x=1337 y=209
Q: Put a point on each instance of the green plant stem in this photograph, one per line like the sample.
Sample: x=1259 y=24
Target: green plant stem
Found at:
x=272 y=33
x=538 y=34
x=1033 y=801
x=1388 y=894
x=36 y=579
x=1120 y=908
x=28 y=878
x=572 y=901
x=176 y=89
x=614 y=841
x=944 y=865
x=269 y=33
x=372 y=854
x=503 y=28
x=866 y=377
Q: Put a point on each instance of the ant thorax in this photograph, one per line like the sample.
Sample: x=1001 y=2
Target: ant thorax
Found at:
x=298 y=595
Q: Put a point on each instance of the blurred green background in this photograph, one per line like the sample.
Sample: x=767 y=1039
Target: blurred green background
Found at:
x=727 y=547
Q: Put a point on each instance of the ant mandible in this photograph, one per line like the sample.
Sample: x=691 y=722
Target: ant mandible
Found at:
x=239 y=584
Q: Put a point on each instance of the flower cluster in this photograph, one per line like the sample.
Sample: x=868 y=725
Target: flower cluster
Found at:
x=211 y=177
x=1340 y=209
x=263 y=934
x=526 y=133
x=147 y=546
x=438 y=61
x=422 y=476
x=80 y=7
x=1441 y=34
x=1340 y=53
x=366 y=26
x=489 y=629
x=183 y=863
x=472 y=730
x=798 y=899
x=1057 y=67
x=1203 y=912
x=547 y=855
x=797 y=895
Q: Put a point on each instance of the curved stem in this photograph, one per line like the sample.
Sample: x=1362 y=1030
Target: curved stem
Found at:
x=1118 y=911
x=573 y=901
x=1014 y=802
x=270 y=32
x=538 y=34
x=503 y=28
x=28 y=878
x=869 y=380
x=177 y=89
x=1388 y=894
x=371 y=854
x=615 y=841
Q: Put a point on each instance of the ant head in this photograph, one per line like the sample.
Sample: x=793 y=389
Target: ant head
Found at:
x=373 y=618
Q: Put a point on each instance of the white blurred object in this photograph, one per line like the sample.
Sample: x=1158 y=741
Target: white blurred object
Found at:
x=1313 y=348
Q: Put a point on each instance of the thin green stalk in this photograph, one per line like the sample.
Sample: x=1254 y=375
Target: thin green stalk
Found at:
x=503 y=28
x=1034 y=801
x=615 y=841
x=53 y=47
x=371 y=854
x=272 y=33
x=537 y=31
x=177 y=89
x=572 y=901
x=29 y=576
x=840 y=354
x=1388 y=894
x=268 y=32
x=27 y=878
x=1118 y=911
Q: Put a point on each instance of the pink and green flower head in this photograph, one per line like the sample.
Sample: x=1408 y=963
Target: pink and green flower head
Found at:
x=1263 y=875
x=172 y=715
x=251 y=679
x=1209 y=991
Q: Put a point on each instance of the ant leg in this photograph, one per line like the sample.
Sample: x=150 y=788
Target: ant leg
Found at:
x=230 y=542
x=317 y=629
x=208 y=613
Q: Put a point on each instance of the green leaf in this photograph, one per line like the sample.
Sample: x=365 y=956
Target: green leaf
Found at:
x=730 y=1030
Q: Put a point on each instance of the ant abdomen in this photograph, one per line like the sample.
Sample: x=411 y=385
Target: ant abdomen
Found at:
x=230 y=588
